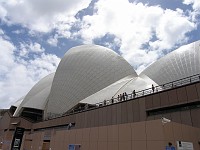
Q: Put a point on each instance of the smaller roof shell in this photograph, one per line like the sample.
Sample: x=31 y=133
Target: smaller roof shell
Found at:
x=18 y=102
x=37 y=96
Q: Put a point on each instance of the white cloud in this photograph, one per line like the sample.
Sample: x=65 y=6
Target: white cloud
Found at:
x=43 y=65
x=172 y=29
x=18 y=75
x=25 y=48
x=6 y=55
x=53 y=41
x=194 y=14
x=195 y=3
x=1 y=32
x=18 y=31
x=135 y=25
x=3 y=12
x=41 y=15
x=36 y=47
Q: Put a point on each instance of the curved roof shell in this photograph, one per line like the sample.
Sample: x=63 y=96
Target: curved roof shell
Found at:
x=127 y=84
x=83 y=71
x=181 y=63
x=37 y=96
x=18 y=102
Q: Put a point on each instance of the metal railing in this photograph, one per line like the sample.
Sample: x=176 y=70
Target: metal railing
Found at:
x=130 y=96
x=159 y=88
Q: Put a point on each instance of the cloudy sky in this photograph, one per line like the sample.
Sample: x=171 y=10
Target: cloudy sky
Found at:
x=35 y=34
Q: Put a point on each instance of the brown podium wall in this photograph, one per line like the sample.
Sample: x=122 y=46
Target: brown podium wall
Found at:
x=146 y=135
x=176 y=96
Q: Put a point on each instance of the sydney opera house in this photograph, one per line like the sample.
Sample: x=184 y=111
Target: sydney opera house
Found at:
x=96 y=101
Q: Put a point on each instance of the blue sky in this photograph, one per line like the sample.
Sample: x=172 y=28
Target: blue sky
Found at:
x=35 y=34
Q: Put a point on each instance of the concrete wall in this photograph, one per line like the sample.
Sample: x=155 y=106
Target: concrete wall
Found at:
x=177 y=96
x=187 y=94
x=7 y=140
x=145 y=135
x=7 y=129
x=5 y=121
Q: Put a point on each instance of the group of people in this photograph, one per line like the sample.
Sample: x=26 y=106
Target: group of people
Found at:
x=125 y=96
x=122 y=97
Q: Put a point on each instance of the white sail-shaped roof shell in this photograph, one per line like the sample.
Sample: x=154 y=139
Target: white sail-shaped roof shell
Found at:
x=37 y=96
x=181 y=63
x=127 y=84
x=18 y=102
x=83 y=71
